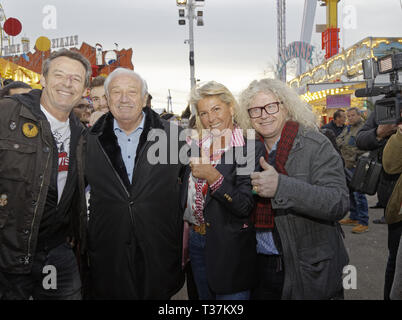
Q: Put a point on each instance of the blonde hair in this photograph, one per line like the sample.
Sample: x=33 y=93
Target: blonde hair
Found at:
x=298 y=110
x=211 y=89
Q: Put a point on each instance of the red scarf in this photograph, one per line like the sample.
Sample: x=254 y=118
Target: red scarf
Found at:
x=263 y=214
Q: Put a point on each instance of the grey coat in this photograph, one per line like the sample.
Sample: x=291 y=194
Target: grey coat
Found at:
x=309 y=203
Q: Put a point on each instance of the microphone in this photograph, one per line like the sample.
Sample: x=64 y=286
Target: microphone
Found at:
x=374 y=91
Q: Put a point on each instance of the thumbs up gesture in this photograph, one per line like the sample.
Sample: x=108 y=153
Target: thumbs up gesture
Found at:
x=265 y=182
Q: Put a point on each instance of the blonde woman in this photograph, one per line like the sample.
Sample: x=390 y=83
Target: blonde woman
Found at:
x=218 y=200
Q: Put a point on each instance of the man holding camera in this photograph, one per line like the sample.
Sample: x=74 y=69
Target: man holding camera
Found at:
x=373 y=137
x=392 y=162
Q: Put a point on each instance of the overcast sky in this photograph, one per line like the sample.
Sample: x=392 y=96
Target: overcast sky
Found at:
x=234 y=47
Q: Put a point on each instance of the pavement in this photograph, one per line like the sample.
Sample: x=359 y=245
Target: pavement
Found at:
x=368 y=255
x=368 y=252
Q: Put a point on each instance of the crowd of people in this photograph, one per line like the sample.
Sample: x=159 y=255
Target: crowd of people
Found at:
x=248 y=206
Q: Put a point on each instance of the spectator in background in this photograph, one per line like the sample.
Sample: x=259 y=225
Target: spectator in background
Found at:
x=83 y=111
x=338 y=123
x=98 y=97
x=392 y=161
x=149 y=103
x=15 y=87
x=373 y=137
x=7 y=82
x=346 y=142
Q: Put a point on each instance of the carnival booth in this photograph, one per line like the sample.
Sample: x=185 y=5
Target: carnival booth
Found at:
x=332 y=84
x=9 y=70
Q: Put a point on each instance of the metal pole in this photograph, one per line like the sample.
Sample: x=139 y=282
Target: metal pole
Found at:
x=191 y=41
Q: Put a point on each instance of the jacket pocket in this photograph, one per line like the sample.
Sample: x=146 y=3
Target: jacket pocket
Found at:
x=16 y=159
x=315 y=267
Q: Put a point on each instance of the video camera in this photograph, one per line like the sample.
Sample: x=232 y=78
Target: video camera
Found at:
x=387 y=109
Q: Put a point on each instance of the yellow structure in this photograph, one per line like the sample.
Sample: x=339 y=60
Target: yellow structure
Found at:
x=332 y=13
x=9 y=70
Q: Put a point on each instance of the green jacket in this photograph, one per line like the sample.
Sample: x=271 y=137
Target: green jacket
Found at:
x=346 y=142
x=392 y=163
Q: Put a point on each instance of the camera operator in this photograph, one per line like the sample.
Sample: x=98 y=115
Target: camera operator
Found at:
x=373 y=137
x=392 y=162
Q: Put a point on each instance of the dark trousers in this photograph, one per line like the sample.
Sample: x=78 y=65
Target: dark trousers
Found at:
x=191 y=286
x=394 y=236
x=271 y=276
x=38 y=284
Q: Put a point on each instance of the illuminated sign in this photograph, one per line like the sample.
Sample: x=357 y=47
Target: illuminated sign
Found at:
x=338 y=101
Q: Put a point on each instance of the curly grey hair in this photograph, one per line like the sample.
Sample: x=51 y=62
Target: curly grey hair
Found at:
x=298 y=110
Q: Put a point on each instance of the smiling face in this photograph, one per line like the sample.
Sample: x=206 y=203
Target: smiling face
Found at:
x=269 y=126
x=63 y=86
x=126 y=101
x=99 y=99
x=215 y=114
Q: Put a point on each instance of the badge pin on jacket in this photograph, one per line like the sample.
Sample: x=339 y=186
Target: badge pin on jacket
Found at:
x=3 y=200
x=30 y=130
x=13 y=125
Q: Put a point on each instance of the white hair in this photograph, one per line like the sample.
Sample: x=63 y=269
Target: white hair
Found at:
x=298 y=110
x=125 y=71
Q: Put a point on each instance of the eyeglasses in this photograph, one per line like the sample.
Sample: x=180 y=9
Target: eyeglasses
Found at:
x=270 y=108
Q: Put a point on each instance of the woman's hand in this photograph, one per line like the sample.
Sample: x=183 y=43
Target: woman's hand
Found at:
x=202 y=169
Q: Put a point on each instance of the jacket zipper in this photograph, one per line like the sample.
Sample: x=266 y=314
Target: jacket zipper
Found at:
x=26 y=258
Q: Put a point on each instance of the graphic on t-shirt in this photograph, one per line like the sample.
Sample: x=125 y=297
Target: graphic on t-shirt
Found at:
x=63 y=155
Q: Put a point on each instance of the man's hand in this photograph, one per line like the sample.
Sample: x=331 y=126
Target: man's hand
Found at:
x=385 y=130
x=265 y=183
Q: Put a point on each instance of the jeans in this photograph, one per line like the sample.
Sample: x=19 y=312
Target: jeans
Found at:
x=358 y=206
x=40 y=283
x=197 y=259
